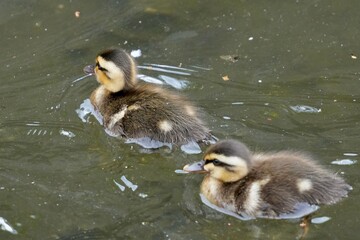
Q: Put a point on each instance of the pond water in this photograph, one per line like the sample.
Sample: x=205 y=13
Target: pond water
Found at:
x=274 y=74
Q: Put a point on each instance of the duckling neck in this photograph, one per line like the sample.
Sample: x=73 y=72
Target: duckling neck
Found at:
x=217 y=191
x=114 y=86
x=119 y=85
x=98 y=96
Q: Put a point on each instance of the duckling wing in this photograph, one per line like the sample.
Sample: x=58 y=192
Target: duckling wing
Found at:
x=295 y=178
x=156 y=114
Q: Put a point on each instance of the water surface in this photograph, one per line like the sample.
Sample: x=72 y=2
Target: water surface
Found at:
x=58 y=174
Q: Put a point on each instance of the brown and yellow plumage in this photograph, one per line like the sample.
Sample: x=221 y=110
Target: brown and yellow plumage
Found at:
x=135 y=110
x=265 y=184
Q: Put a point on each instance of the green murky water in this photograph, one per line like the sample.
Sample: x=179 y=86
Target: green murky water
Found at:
x=57 y=172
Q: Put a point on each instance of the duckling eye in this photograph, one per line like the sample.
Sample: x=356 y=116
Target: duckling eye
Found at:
x=216 y=162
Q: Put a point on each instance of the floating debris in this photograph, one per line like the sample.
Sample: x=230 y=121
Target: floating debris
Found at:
x=191 y=148
x=77 y=14
x=230 y=58
x=143 y=195
x=226 y=78
x=121 y=187
x=226 y=118
x=344 y=162
x=129 y=184
x=136 y=53
x=320 y=220
x=6 y=227
x=68 y=134
x=305 y=109
x=353 y=56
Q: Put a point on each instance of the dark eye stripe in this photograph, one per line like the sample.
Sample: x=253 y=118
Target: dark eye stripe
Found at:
x=101 y=68
x=208 y=161
x=216 y=162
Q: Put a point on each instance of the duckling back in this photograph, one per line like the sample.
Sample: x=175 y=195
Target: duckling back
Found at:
x=289 y=178
x=266 y=184
x=149 y=111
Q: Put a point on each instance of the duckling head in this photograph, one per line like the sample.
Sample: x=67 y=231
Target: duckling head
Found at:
x=227 y=161
x=114 y=69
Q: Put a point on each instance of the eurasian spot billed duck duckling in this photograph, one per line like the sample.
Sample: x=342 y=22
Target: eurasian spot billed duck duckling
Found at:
x=135 y=110
x=265 y=184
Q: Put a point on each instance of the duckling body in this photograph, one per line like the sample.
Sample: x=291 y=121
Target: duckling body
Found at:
x=265 y=184
x=136 y=110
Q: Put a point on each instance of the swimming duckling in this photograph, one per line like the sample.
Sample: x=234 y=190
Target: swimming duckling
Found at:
x=135 y=110
x=264 y=184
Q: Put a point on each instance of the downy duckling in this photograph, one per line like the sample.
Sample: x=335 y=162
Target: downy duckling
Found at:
x=135 y=110
x=264 y=184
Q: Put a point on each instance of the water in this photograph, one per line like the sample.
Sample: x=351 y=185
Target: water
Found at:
x=57 y=172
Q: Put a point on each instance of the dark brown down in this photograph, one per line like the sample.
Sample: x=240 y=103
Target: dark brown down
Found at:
x=148 y=105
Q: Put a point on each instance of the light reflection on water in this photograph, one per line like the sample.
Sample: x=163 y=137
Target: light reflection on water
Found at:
x=57 y=172
x=300 y=210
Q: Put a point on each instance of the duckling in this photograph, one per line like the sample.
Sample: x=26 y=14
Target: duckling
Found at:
x=135 y=110
x=264 y=184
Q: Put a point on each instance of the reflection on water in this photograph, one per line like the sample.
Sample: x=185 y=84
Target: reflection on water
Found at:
x=300 y=210
x=293 y=84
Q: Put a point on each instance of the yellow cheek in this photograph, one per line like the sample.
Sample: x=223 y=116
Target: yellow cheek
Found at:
x=209 y=167
x=101 y=77
x=228 y=176
x=225 y=176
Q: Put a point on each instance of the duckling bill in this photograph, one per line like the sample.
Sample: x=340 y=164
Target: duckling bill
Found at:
x=135 y=110
x=265 y=184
